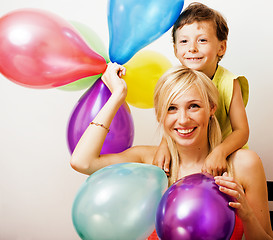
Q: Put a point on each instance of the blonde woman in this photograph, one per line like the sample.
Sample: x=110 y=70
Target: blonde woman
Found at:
x=185 y=103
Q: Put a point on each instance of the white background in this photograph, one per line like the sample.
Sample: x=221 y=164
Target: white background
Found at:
x=37 y=184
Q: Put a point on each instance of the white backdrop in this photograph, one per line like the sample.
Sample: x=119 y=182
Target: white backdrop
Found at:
x=37 y=184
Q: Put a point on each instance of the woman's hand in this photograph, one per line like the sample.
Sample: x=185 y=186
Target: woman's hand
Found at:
x=232 y=188
x=112 y=79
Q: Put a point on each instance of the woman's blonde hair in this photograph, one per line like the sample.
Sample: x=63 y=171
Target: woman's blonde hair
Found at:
x=173 y=84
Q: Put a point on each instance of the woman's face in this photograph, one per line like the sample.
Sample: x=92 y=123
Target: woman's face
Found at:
x=187 y=119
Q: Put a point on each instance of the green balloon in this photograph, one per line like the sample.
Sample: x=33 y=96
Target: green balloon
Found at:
x=92 y=38
x=80 y=84
x=96 y=44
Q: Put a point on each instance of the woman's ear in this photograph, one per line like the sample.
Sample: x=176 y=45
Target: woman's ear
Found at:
x=213 y=109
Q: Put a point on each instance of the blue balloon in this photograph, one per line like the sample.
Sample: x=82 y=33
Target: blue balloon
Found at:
x=133 y=24
x=119 y=202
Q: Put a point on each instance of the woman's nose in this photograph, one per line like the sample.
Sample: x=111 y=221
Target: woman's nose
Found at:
x=183 y=117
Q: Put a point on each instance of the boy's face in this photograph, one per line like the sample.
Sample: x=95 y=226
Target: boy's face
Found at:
x=197 y=47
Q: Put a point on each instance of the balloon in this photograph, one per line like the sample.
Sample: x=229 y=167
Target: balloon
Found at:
x=80 y=84
x=133 y=24
x=142 y=74
x=92 y=38
x=95 y=43
x=121 y=133
x=194 y=208
x=119 y=202
x=41 y=50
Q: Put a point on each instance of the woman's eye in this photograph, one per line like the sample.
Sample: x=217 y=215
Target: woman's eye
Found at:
x=202 y=40
x=194 y=106
x=171 y=108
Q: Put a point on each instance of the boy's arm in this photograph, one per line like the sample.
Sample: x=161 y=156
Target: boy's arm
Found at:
x=238 y=119
x=215 y=163
x=162 y=157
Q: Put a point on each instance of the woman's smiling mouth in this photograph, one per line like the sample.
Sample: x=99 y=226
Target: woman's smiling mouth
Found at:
x=185 y=131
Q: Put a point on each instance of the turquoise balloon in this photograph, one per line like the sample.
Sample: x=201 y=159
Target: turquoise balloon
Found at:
x=119 y=202
x=133 y=24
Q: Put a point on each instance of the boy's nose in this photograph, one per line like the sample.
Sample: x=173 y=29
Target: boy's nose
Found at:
x=193 y=48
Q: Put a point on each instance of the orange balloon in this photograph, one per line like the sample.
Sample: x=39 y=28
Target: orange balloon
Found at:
x=142 y=74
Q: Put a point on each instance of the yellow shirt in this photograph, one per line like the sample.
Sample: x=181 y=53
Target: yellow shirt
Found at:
x=224 y=81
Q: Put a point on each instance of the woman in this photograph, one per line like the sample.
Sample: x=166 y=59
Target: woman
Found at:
x=185 y=103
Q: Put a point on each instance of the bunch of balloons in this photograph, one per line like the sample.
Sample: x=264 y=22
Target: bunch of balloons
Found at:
x=124 y=201
x=41 y=50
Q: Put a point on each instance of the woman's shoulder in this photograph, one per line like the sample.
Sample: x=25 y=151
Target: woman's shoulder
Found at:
x=247 y=164
x=148 y=148
x=145 y=153
x=245 y=159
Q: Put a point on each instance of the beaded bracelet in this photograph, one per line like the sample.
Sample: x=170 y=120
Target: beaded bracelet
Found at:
x=100 y=125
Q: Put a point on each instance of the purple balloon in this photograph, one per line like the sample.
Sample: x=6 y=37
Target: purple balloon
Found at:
x=194 y=208
x=121 y=133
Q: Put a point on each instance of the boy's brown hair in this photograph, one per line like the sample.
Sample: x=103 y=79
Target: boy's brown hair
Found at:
x=198 y=12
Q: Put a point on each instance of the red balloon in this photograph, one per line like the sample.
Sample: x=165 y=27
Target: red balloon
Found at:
x=41 y=50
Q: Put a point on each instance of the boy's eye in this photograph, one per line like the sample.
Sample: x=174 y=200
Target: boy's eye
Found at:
x=183 y=41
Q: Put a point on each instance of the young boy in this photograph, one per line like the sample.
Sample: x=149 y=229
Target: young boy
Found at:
x=200 y=41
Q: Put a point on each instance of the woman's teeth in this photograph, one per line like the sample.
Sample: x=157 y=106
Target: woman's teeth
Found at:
x=185 y=131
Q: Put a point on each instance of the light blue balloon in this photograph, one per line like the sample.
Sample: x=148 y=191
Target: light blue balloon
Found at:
x=133 y=24
x=119 y=202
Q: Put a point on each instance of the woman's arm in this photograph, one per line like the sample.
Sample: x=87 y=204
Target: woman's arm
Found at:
x=250 y=193
x=86 y=157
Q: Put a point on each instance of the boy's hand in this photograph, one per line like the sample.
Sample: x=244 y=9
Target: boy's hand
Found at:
x=162 y=157
x=215 y=163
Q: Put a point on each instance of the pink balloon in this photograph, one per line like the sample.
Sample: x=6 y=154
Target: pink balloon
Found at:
x=41 y=50
x=121 y=133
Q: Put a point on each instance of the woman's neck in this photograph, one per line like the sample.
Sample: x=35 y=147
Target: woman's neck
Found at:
x=191 y=160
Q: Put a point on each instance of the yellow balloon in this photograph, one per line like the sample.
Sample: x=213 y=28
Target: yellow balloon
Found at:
x=142 y=74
